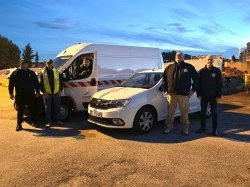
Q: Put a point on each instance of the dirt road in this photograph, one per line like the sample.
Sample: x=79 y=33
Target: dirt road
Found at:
x=80 y=154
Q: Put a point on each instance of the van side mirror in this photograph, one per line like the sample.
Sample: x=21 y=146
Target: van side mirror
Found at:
x=64 y=76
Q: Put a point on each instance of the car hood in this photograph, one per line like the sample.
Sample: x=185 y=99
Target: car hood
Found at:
x=118 y=93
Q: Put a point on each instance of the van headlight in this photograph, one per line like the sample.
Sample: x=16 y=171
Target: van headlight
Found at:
x=119 y=103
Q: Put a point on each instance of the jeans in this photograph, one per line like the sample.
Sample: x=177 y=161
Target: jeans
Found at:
x=52 y=108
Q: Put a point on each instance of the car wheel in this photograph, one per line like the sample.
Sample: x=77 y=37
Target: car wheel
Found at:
x=144 y=120
x=209 y=111
x=64 y=111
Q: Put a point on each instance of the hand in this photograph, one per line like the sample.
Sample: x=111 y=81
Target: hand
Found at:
x=200 y=97
x=37 y=94
x=46 y=94
x=59 y=93
x=191 y=93
x=11 y=96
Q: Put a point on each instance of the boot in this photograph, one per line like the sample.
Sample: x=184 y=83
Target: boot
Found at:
x=19 y=127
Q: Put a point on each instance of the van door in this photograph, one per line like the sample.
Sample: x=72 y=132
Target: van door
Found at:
x=81 y=79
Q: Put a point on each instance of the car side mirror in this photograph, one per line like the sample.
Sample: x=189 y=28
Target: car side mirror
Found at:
x=161 y=89
x=93 y=82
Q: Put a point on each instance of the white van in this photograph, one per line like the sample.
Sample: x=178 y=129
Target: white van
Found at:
x=111 y=64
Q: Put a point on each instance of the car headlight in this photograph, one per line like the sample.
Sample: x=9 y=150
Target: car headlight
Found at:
x=119 y=103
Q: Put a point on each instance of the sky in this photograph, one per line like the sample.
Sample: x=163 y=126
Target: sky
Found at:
x=192 y=26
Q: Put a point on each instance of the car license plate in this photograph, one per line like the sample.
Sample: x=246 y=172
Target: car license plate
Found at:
x=95 y=113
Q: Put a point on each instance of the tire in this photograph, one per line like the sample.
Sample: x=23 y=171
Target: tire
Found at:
x=65 y=111
x=144 y=120
x=208 y=112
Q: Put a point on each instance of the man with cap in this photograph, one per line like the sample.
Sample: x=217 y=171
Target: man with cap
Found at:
x=26 y=87
x=51 y=86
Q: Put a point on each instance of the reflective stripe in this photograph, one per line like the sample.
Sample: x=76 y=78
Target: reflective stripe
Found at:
x=46 y=81
x=88 y=83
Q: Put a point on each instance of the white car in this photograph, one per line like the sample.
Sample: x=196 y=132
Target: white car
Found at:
x=138 y=103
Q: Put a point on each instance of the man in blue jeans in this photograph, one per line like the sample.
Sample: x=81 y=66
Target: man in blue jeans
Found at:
x=51 y=86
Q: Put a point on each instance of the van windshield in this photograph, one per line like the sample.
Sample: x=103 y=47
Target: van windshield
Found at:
x=60 y=60
x=143 y=80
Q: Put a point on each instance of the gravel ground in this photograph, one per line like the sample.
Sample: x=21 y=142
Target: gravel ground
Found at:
x=80 y=154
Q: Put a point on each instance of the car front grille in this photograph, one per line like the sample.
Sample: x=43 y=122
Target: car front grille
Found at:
x=104 y=121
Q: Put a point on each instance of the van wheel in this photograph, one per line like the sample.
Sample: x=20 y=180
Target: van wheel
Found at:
x=144 y=120
x=209 y=111
x=65 y=111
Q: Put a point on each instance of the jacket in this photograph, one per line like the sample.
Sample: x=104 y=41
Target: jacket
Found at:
x=50 y=75
x=180 y=78
x=24 y=81
x=209 y=82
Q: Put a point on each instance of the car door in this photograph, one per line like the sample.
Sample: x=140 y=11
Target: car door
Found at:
x=194 y=103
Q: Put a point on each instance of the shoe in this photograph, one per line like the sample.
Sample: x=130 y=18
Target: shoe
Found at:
x=35 y=125
x=185 y=132
x=19 y=128
x=215 y=133
x=48 y=125
x=200 y=130
x=167 y=130
x=59 y=123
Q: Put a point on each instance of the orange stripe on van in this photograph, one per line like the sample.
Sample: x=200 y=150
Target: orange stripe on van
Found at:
x=88 y=83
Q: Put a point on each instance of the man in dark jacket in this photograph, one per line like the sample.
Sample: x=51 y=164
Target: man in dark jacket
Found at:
x=209 y=90
x=85 y=69
x=180 y=82
x=51 y=86
x=26 y=87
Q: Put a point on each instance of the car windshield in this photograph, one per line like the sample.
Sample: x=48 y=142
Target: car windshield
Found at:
x=60 y=60
x=143 y=80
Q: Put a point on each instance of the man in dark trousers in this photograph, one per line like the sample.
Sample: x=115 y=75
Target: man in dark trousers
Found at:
x=26 y=87
x=209 y=91
x=51 y=86
x=180 y=82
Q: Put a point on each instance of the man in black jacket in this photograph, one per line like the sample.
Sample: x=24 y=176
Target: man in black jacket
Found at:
x=85 y=68
x=209 y=90
x=26 y=87
x=180 y=82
